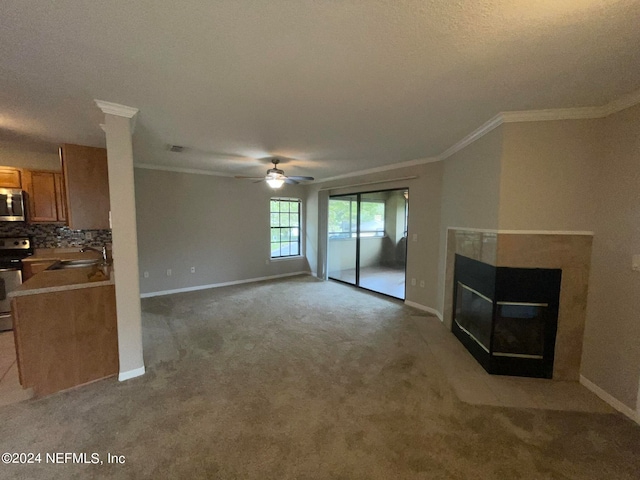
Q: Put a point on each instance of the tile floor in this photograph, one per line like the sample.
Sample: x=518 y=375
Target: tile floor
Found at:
x=474 y=385
x=10 y=389
x=389 y=281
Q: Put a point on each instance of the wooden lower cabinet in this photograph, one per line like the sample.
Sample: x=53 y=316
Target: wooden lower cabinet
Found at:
x=65 y=338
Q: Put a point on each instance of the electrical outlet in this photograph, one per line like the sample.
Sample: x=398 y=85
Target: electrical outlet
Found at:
x=193 y=269
x=88 y=235
x=413 y=282
x=146 y=274
x=421 y=283
x=635 y=263
x=414 y=237
x=168 y=272
x=266 y=262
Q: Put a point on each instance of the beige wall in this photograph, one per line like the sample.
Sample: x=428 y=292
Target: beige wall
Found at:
x=547 y=177
x=470 y=195
x=424 y=220
x=584 y=175
x=219 y=225
x=611 y=356
x=33 y=157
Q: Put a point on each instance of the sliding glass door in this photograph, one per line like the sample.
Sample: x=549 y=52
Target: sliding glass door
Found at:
x=367 y=240
x=343 y=226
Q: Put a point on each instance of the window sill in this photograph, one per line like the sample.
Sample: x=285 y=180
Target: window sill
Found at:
x=284 y=259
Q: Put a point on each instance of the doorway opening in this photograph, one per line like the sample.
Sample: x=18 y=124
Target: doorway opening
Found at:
x=368 y=240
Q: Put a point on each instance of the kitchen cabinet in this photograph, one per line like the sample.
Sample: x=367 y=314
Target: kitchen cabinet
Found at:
x=86 y=185
x=45 y=196
x=61 y=197
x=10 y=177
x=65 y=338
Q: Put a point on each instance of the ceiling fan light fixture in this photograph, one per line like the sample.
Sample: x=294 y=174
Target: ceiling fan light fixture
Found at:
x=275 y=181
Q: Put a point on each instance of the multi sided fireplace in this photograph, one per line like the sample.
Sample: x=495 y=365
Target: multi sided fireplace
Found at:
x=507 y=317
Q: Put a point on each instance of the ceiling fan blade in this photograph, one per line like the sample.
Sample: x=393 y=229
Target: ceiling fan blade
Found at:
x=291 y=181
x=258 y=181
x=298 y=178
x=248 y=178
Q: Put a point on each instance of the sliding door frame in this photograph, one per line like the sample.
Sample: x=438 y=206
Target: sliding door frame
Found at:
x=358 y=196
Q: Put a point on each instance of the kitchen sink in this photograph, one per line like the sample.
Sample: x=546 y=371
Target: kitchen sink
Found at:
x=84 y=262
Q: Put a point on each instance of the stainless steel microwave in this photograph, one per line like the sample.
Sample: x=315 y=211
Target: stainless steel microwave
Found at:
x=11 y=205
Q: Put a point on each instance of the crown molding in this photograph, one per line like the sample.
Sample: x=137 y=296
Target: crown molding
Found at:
x=622 y=103
x=479 y=132
x=384 y=168
x=166 y=168
x=580 y=113
x=116 y=109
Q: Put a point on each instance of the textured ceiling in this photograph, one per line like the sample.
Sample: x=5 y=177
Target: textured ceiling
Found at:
x=332 y=86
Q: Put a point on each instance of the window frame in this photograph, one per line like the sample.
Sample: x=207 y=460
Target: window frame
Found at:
x=289 y=200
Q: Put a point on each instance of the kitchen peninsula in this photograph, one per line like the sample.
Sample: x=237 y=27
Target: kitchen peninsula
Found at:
x=65 y=327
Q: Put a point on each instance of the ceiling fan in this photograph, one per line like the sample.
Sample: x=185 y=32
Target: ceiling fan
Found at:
x=276 y=177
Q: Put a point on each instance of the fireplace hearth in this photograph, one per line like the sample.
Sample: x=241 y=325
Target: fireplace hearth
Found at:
x=507 y=317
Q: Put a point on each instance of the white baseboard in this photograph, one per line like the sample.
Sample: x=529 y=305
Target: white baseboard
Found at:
x=424 y=308
x=137 y=372
x=611 y=400
x=217 y=285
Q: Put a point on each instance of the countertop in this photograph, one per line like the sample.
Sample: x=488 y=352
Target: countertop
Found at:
x=53 y=254
x=49 y=281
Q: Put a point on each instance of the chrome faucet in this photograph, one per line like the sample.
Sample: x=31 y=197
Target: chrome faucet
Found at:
x=103 y=251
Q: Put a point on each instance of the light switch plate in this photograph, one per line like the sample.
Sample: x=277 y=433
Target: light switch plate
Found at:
x=414 y=237
x=635 y=263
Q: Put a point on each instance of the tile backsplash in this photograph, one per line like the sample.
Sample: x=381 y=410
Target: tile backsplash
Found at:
x=51 y=235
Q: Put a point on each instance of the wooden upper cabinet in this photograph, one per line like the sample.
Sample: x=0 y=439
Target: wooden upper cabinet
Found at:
x=10 y=178
x=86 y=182
x=42 y=197
x=45 y=197
x=61 y=197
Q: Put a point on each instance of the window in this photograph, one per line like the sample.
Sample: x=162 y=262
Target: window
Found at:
x=343 y=215
x=285 y=227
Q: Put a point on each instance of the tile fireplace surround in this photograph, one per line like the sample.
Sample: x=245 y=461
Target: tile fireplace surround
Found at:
x=567 y=251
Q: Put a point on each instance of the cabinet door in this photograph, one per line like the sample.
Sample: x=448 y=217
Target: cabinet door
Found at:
x=10 y=178
x=61 y=198
x=86 y=179
x=42 y=197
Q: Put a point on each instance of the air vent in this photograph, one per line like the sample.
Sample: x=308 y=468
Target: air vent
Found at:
x=176 y=148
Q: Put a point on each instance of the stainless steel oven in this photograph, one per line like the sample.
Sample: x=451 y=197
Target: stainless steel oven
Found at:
x=11 y=205
x=12 y=251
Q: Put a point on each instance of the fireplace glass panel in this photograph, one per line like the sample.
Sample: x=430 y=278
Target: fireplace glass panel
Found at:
x=474 y=315
x=519 y=330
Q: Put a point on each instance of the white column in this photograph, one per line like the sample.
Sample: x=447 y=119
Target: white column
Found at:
x=118 y=126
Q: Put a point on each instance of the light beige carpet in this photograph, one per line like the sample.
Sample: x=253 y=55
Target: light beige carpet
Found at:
x=301 y=379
